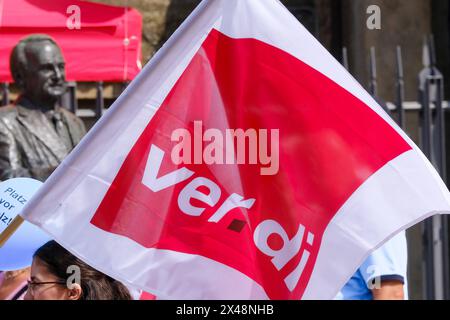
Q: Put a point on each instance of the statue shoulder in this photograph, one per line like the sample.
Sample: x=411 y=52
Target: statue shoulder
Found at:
x=70 y=116
x=8 y=113
x=68 y=113
x=74 y=120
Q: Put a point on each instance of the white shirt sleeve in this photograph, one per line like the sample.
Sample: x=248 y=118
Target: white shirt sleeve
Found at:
x=389 y=262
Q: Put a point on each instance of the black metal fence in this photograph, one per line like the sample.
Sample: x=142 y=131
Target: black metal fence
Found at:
x=432 y=109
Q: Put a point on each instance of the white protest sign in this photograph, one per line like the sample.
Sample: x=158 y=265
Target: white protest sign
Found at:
x=18 y=251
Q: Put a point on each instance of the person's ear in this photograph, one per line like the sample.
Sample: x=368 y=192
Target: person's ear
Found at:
x=19 y=77
x=74 y=292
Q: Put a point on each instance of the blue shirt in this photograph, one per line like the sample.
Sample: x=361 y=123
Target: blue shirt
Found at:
x=389 y=262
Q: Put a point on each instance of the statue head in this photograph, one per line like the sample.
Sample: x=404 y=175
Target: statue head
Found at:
x=38 y=68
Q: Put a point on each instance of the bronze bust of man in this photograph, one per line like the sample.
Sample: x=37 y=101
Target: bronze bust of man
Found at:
x=36 y=133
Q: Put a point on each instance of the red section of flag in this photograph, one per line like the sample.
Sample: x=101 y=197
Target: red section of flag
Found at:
x=147 y=296
x=330 y=143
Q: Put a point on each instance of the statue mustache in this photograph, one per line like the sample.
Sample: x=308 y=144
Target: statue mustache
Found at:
x=59 y=82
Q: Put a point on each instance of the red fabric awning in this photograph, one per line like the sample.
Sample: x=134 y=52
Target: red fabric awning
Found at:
x=107 y=47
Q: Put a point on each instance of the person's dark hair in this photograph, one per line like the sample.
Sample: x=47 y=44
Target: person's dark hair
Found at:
x=18 y=59
x=94 y=284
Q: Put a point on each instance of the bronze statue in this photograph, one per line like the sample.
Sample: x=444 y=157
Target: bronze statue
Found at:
x=36 y=133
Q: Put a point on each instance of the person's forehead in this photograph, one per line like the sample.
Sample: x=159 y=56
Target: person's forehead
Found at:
x=39 y=270
x=43 y=52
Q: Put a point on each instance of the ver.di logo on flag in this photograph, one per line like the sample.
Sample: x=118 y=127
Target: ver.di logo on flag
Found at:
x=280 y=231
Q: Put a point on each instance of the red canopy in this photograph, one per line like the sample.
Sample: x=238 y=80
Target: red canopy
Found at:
x=107 y=47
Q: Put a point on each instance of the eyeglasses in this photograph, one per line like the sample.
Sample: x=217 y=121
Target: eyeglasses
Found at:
x=33 y=284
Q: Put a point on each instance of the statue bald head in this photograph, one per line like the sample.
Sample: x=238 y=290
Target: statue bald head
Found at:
x=38 y=68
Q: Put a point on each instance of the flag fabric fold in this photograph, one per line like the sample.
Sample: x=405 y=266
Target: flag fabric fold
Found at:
x=332 y=176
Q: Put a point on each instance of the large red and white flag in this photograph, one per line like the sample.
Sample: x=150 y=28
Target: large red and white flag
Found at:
x=244 y=162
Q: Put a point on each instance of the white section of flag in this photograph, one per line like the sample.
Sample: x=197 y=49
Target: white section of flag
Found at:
x=397 y=196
